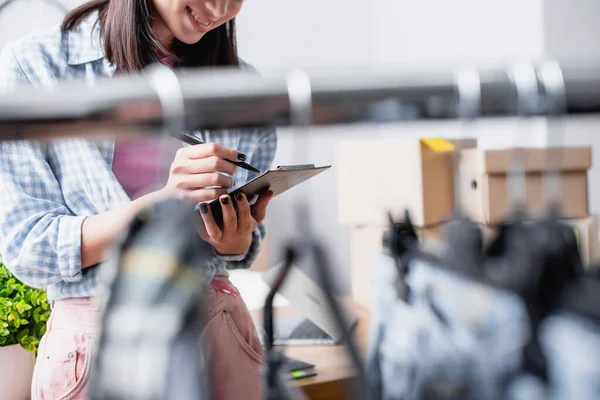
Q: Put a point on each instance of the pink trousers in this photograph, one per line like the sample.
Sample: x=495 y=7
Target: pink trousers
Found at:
x=65 y=356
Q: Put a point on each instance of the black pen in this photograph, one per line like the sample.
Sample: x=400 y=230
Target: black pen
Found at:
x=193 y=140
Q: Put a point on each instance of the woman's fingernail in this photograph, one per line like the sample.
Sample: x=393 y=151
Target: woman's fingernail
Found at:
x=239 y=197
x=225 y=200
x=241 y=157
x=204 y=209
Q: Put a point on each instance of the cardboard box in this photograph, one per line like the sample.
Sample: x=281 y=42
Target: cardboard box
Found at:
x=377 y=176
x=484 y=190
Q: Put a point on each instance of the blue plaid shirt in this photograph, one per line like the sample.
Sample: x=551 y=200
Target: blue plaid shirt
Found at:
x=48 y=189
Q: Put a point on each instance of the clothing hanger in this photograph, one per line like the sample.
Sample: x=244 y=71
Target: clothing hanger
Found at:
x=307 y=245
x=462 y=235
x=276 y=387
x=538 y=258
x=582 y=295
x=300 y=98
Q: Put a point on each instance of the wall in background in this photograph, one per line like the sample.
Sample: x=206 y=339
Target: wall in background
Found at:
x=390 y=34
x=22 y=16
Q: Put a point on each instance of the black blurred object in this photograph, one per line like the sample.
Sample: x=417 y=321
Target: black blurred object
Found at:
x=268 y=320
x=400 y=237
x=464 y=240
x=399 y=240
x=276 y=386
x=536 y=260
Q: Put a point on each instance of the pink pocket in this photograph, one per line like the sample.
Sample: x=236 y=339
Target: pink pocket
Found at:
x=63 y=365
x=233 y=350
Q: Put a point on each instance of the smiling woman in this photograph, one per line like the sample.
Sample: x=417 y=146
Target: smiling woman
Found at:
x=86 y=192
x=137 y=33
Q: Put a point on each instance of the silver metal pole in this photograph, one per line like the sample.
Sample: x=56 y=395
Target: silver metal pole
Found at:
x=225 y=98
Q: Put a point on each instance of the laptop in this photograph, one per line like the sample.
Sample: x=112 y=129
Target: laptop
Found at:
x=315 y=324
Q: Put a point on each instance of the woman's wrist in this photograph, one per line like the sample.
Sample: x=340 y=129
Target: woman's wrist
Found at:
x=100 y=231
x=240 y=247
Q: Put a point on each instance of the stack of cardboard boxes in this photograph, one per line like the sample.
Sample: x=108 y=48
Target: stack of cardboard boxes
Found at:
x=421 y=176
x=485 y=191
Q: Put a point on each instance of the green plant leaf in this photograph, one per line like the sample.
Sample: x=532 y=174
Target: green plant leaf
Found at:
x=24 y=307
x=39 y=329
x=22 y=335
x=36 y=314
x=21 y=307
x=35 y=298
x=30 y=344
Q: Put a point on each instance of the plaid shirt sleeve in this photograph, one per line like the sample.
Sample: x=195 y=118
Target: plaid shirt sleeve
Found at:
x=262 y=159
x=40 y=238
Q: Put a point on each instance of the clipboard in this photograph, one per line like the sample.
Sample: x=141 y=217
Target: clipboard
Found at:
x=278 y=180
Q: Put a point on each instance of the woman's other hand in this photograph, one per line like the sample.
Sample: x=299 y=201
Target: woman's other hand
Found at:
x=235 y=237
x=198 y=172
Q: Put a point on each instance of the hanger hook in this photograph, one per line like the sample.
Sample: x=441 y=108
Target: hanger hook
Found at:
x=554 y=87
x=166 y=84
x=300 y=96
x=467 y=83
x=468 y=87
x=524 y=81
x=555 y=104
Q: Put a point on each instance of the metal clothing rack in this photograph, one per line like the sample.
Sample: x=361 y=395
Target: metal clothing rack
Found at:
x=226 y=98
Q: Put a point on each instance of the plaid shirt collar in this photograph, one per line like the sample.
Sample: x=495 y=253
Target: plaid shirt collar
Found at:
x=85 y=44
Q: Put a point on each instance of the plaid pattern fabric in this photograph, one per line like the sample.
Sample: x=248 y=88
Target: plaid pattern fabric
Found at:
x=48 y=189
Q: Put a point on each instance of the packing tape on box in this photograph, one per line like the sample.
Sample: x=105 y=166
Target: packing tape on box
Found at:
x=438 y=145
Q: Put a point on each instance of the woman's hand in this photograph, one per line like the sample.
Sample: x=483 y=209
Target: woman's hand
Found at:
x=235 y=237
x=197 y=171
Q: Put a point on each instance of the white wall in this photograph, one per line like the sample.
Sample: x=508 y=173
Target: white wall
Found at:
x=22 y=16
x=399 y=34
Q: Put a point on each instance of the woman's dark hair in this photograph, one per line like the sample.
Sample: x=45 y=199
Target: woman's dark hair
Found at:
x=130 y=44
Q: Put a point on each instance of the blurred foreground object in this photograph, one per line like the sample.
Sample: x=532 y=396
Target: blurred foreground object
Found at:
x=150 y=346
x=226 y=98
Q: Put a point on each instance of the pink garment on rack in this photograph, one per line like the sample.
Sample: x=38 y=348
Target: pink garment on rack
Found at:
x=136 y=161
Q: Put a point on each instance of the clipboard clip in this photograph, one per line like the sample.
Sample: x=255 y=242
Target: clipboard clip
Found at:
x=295 y=167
